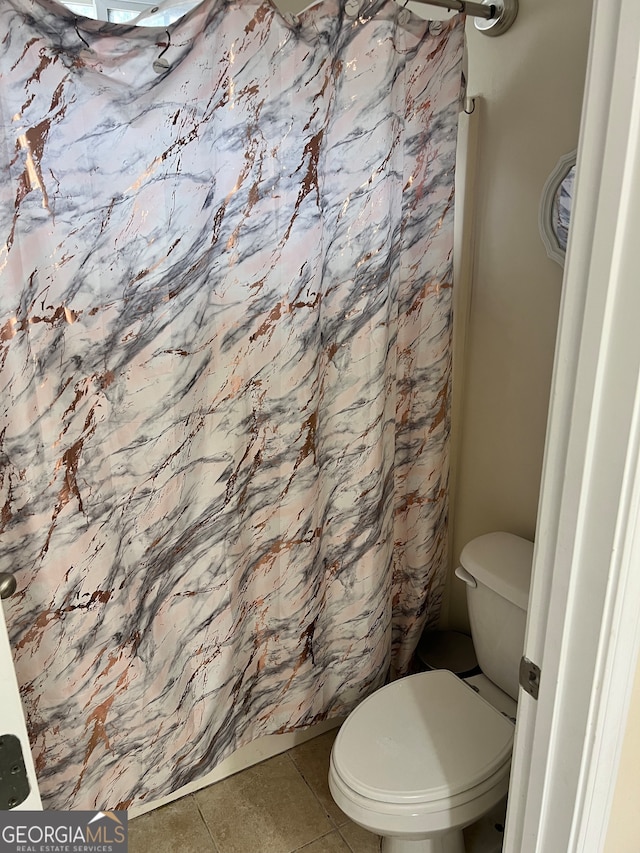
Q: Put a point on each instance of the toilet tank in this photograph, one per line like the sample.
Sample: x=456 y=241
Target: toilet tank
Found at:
x=497 y=570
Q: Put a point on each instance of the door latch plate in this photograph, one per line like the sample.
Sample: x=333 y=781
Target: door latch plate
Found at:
x=14 y=782
x=529 y=677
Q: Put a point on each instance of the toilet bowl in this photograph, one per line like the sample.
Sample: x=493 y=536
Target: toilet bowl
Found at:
x=421 y=759
x=426 y=756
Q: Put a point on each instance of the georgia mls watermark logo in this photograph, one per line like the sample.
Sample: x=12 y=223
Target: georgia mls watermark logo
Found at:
x=63 y=832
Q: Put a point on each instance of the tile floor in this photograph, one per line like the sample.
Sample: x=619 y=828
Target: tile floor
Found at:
x=282 y=805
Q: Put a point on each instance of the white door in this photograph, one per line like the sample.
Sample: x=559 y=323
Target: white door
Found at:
x=12 y=720
x=583 y=628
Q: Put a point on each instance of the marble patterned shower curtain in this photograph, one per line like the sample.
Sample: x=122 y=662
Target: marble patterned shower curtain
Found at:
x=225 y=362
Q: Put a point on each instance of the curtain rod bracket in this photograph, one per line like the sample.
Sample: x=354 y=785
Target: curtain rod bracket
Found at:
x=502 y=18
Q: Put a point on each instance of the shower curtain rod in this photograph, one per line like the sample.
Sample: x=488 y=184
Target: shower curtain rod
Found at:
x=495 y=18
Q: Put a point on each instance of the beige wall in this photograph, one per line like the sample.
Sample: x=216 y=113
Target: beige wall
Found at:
x=622 y=834
x=531 y=81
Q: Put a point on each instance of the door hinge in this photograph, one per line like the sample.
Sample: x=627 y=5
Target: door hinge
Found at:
x=529 y=677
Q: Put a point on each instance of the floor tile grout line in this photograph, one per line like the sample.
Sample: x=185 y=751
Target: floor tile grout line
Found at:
x=334 y=822
x=346 y=840
x=202 y=818
x=315 y=841
x=351 y=850
x=338 y=827
x=318 y=800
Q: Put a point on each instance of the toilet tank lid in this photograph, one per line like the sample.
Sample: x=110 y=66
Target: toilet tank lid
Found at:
x=502 y=562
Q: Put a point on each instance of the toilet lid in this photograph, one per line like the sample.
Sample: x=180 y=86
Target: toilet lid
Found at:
x=422 y=738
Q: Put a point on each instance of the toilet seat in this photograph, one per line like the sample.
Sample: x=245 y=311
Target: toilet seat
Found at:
x=427 y=741
x=416 y=820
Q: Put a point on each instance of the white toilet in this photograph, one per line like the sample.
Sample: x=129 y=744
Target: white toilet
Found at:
x=429 y=754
